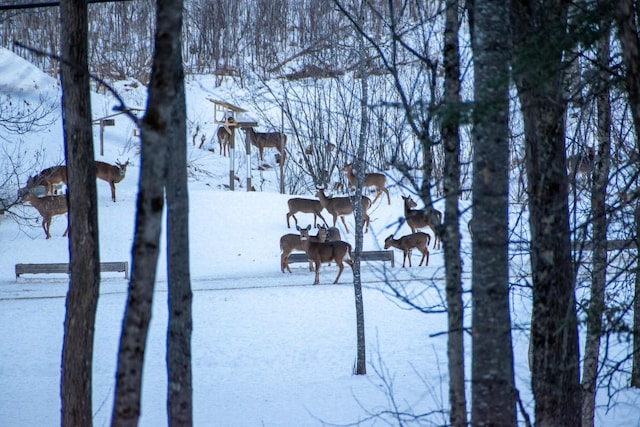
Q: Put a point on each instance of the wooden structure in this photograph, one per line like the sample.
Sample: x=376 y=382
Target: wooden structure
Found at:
x=109 y=121
x=63 y=268
x=227 y=116
x=364 y=256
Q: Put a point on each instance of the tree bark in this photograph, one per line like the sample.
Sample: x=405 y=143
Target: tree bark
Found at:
x=629 y=38
x=451 y=235
x=82 y=297
x=180 y=387
x=539 y=37
x=599 y=223
x=492 y=385
x=361 y=358
x=164 y=89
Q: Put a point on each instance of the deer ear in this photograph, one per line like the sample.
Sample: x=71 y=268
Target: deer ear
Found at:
x=308 y=227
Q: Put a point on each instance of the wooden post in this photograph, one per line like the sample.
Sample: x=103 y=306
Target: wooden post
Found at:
x=282 y=148
x=247 y=144
x=232 y=146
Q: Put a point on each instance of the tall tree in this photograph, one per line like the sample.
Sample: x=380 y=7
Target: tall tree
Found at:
x=165 y=88
x=599 y=227
x=451 y=235
x=361 y=360
x=539 y=31
x=626 y=15
x=82 y=297
x=492 y=382
x=180 y=389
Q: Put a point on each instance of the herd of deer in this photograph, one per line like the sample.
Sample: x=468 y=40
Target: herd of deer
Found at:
x=326 y=246
x=51 y=204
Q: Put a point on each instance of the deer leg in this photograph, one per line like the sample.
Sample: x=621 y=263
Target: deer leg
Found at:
x=387 y=193
x=322 y=218
x=113 y=191
x=344 y=222
x=46 y=223
x=317 y=281
x=404 y=258
x=340 y=268
x=283 y=262
x=377 y=195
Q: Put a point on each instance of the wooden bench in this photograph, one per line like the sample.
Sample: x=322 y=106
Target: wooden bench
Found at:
x=364 y=256
x=64 y=268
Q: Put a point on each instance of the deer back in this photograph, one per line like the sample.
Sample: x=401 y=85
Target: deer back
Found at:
x=373 y=179
x=336 y=205
x=49 y=177
x=48 y=206
x=298 y=204
x=266 y=139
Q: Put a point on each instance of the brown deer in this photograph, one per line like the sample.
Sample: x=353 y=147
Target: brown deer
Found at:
x=112 y=174
x=297 y=204
x=224 y=140
x=320 y=252
x=48 y=207
x=49 y=177
x=377 y=180
x=340 y=206
x=419 y=218
x=581 y=164
x=417 y=240
x=291 y=242
x=263 y=140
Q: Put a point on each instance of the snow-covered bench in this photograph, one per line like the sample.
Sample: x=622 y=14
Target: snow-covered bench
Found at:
x=49 y=268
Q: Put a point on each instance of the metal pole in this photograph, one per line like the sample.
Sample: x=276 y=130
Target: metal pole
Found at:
x=232 y=155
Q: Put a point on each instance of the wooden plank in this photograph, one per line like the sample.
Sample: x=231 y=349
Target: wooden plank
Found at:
x=48 y=268
x=364 y=256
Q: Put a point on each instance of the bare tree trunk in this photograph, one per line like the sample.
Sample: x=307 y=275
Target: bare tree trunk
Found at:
x=361 y=360
x=82 y=298
x=179 y=390
x=165 y=88
x=630 y=41
x=492 y=384
x=635 y=370
x=538 y=51
x=451 y=235
x=599 y=221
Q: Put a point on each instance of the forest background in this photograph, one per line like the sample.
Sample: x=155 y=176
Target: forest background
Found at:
x=574 y=101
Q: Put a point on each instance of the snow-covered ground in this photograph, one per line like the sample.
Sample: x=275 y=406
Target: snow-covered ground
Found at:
x=269 y=348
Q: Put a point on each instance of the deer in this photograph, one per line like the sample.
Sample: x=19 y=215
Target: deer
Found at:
x=49 y=177
x=263 y=140
x=320 y=252
x=377 y=180
x=48 y=207
x=291 y=242
x=298 y=204
x=224 y=140
x=581 y=164
x=419 y=218
x=111 y=174
x=340 y=206
x=406 y=243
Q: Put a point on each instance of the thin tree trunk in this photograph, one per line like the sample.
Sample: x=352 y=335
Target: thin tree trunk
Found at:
x=180 y=389
x=538 y=51
x=599 y=221
x=492 y=385
x=361 y=360
x=164 y=89
x=82 y=297
x=451 y=235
